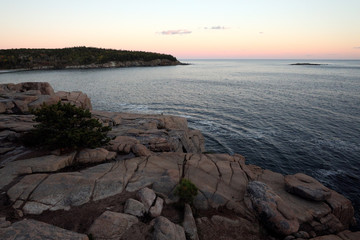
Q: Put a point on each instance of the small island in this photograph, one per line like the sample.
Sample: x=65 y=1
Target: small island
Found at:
x=80 y=58
x=307 y=64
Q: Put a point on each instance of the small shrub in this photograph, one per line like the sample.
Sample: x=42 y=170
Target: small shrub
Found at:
x=186 y=191
x=65 y=126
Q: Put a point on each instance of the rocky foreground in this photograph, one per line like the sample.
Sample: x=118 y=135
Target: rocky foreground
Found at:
x=126 y=189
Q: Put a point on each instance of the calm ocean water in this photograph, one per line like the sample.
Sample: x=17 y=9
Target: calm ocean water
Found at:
x=285 y=118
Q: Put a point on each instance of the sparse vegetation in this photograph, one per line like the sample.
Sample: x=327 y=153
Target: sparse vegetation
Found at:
x=60 y=58
x=67 y=127
x=186 y=191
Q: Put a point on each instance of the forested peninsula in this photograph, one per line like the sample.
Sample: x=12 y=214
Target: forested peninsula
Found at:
x=80 y=58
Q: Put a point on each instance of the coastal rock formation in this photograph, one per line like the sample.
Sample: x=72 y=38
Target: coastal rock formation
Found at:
x=158 y=133
x=147 y=158
x=22 y=97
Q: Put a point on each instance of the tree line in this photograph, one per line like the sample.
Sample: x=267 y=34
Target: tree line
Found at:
x=60 y=58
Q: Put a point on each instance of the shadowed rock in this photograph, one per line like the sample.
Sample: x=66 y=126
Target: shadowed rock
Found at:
x=32 y=229
x=189 y=223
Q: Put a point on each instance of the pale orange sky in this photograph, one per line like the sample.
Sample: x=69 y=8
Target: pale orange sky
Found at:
x=189 y=29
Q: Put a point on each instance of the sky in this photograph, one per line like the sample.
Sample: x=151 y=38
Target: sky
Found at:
x=252 y=29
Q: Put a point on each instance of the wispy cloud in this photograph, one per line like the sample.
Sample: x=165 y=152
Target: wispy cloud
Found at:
x=173 y=32
x=216 y=28
x=261 y=32
x=356 y=47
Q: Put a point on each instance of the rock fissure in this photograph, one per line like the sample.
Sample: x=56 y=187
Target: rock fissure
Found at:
x=184 y=166
x=99 y=178
x=232 y=173
x=246 y=174
x=34 y=189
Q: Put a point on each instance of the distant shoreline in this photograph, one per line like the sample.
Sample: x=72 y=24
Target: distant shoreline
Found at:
x=80 y=58
x=128 y=64
x=307 y=64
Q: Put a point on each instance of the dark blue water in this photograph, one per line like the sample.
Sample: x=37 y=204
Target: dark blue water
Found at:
x=285 y=118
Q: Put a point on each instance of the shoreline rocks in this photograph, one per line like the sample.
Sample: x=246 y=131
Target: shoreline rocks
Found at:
x=148 y=157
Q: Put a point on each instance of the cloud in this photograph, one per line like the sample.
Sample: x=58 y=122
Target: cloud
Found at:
x=173 y=32
x=216 y=28
x=356 y=47
x=261 y=32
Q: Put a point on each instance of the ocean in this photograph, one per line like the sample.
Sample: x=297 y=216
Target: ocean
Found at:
x=281 y=117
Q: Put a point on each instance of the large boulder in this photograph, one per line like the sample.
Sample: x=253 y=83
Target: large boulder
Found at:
x=134 y=208
x=111 y=225
x=156 y=210
x=164 y=229
x=147 y=196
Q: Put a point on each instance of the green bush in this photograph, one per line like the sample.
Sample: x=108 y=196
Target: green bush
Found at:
x=66 y=127
x=186 y=191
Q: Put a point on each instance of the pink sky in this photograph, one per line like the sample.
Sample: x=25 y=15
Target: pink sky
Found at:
x=189 y=29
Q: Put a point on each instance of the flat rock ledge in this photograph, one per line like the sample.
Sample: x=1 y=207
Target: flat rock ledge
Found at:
x=147 y=158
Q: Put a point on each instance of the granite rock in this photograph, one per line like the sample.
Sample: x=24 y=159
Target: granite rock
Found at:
x=32 y=229
x=306 y=187
x=134 y=208
x=111 y=225
x=272 y=211
x=189 y=224
x=164 y=229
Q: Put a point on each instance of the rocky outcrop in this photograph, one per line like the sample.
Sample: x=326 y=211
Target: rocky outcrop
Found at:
x=158 y=133
x=147 y=158
x=222 y=181
x=22 y=97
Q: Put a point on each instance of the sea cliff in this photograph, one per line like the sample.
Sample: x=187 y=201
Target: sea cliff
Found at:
x=126 y=190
